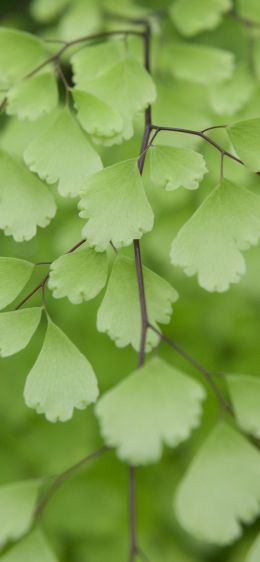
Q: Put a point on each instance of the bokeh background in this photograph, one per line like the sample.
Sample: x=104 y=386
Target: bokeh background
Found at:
x=87 y=520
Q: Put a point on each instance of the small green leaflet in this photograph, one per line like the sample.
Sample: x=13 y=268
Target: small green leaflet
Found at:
x=204 y=65
x=254 y=552
x=45 y=11
x=25 y=202
x=80 y=276
x=95 y=116
x=32 y=548
x=80 y=19
x=221 y=489
x=61 y=379
x=116 y=206
x=63 y=154
x=14 y=274
x=245 y=396
x=156 y=404
x=245 y=137
x=20 y=53
x=231 y=95
x=249 y=9
x=34 y=97
x=17 y=328
x=94 y=60
x=193 y=16
x=17 y=504
x=119 y=313
x=175 y=167
x=210 y=242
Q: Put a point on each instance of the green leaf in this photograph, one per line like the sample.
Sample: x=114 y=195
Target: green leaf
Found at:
x=249 y=9
x=96 y=116
x=25 y=202
x=231 y=96
x=221 y=489
x=80 y=19
x=204 y=65
x=34 y=97
x=14 y=274
x=20 y=53
x=63 y=154
x=17 y=504
x=175 y=167
x=245 y=137
x=210 y=242
x=115 y=204
x=119 y=313
x=193 y=16
x=80 y=276
x=61 y=379
x=93 y=61
x=156 y=404
x=245 y=396
x=32 y=548
x=17 y=328
x=45 y=11
x=254 y=552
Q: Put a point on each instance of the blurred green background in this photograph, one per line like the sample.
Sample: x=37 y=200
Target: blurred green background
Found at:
x=87 y=520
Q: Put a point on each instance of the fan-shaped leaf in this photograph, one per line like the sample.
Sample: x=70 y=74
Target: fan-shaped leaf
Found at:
x=119 y=313
x=33 y=547
x=245 y=396
x=115 y=203
x=61 y=379
x=210 y=243
x=14 y=274
x=245 y=137
x=95 y=116
x=156 y=404
x=17 y=328
x=221 y=489
x=63 y=153
x=193 y=16
x=230 y=96
x=205 y=65
x=79 y=276
x=175 y=167
x=32 y=98
x=93 y=61
x=17 y=504
x=25 y=201
x=20 y=53
x=80 y=19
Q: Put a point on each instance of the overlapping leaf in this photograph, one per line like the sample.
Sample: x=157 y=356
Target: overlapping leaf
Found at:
x=210 y=243
x=61 y=379
x=17 y=328
x=14 y=274
x=119 y=313
x=115 y=204
x=156 y=404
x=245 y=137
x=193 y=16
x=20 y=53
x=63 y=154
x=175 y=167
x=17 y=504
x=25 y=202
x=96 y=116
x=204 y=65
x=79 y=276
x=231 y=96
x=34 y=97
x=221 y=489
x=33 y=547
x=245 y=396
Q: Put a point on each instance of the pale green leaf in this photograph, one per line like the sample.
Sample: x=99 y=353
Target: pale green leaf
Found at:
x=119 y=313
x=254 y=552
x=17 y=504
x=61 y=379
x=20 y=53
x=45 y=11
x=156 y=404
x=197 y=63
x=245 y=396
x=34 y=97
x=80 y=276
x=96 y=116
x=32 y=548
x=211 y=241
x=115 y=204
x=93 y=61
x=245 y=137
x=17 y=328
x=231 y=96
x=249 y=9
x=14 y=274
x=193 y=16
x=175 y=167
x=221 y=489
x=25 y=202
x=82 y=18
x=63 y=154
